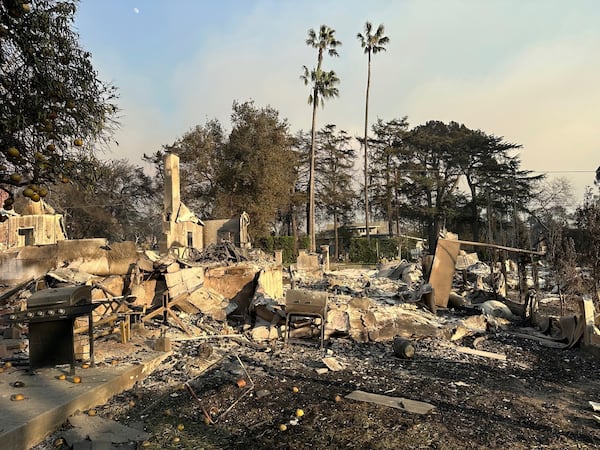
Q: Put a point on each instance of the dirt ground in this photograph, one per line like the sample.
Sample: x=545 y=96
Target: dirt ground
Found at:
x=536 y=399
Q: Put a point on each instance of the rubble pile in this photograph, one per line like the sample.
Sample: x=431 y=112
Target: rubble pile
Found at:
x=221 y=252
x=226 y=321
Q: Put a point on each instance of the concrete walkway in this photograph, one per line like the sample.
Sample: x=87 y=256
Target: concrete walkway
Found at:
x=49 y=401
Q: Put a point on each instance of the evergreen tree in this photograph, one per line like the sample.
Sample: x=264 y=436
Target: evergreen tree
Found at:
x=334 y=177
x=384 y=173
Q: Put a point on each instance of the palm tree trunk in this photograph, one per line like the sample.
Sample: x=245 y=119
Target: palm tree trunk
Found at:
x=388 y=194
x=366 y=145
x=311 y=178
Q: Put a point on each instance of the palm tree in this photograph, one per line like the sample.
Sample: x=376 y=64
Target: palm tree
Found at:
x=371 y=43
x=323 y=87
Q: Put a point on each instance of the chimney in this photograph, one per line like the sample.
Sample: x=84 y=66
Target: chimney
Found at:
x=172 y=199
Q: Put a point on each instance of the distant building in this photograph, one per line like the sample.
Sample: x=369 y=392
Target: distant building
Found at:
x=357 y=229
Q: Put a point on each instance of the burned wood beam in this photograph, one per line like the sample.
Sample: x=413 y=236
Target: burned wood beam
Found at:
x=501 y=247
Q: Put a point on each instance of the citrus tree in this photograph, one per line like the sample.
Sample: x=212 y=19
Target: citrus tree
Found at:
x=52 y=104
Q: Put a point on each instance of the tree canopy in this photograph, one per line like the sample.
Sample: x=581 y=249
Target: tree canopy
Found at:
x=51 y=101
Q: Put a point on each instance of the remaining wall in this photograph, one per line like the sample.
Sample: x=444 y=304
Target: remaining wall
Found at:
x=211 y=230
x=47 y=229
x=26 y=264
x=236 y=283
x=234 y=230
x=86 y=255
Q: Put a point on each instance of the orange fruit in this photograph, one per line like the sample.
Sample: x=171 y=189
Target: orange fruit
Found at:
x=76 y=379
x=17 y=397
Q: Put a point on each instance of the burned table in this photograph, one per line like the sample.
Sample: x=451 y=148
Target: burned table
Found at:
x=51 y=315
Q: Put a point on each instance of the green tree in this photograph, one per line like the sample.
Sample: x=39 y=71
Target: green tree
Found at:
x=334 y=177
x=372 y=43
x=486 y=163
x=430 y=172
x=587 y=219
x=290 y=217
x=256 y=167
x=51 y=101
x=323 y=86
x=384 y=172
x=506 y=191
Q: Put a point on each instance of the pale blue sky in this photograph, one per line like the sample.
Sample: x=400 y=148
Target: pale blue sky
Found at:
x=527 y=70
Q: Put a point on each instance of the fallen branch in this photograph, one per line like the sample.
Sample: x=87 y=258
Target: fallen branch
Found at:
x=204 y=411
x=246 y=392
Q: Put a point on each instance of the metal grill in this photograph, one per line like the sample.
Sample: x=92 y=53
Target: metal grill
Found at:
x=51 y=315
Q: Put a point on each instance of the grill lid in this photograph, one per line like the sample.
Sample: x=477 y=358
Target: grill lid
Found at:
x=60 y=297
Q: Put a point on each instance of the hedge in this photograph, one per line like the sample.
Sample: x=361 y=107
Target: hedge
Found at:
x=286 y=243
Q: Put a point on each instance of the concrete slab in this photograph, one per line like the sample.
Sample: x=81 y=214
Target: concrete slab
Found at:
x=99 y=429
x=49 y=401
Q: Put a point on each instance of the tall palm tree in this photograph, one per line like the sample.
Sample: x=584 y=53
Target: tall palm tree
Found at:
x=371 y=43
x=323 y=87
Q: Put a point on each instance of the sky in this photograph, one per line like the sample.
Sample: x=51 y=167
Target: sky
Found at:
x=526 y=70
